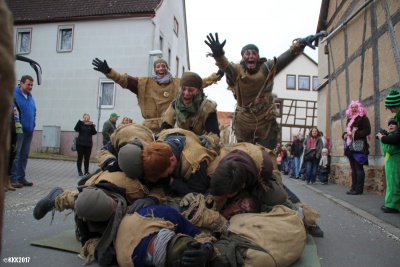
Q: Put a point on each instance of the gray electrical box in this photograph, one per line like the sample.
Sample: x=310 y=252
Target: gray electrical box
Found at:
x=51 y=139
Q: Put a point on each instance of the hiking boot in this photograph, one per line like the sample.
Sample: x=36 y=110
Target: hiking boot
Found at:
x=315 y=231
x=46 y=204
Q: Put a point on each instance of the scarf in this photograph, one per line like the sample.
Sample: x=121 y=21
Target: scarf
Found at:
x=160 y=247
x=184 y=111
x=350 y=138
x=166 y=79
x=323 y=161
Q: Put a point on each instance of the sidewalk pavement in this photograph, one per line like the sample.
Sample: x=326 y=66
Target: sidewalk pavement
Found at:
x=368 y=205
x=47 y=174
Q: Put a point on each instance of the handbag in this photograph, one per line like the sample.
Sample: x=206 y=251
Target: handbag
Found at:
x=357 y=146
x=310 y=155
x=73 y=146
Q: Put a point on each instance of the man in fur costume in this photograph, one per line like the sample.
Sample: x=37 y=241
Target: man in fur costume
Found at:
x=193 y=111
x=155 y=93
x=253 y=169
x=251 y=82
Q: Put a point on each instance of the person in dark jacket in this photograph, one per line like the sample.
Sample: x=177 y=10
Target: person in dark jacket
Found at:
x=297 y=151
x=109 y=127
x=324 y=166
x=358 y=128
x=84 y=142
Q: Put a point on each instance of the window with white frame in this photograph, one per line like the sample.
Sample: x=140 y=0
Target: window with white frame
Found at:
x=24 y=41
x=65 y=38
x=176 y=26
x=314 y=83
x=107 y=93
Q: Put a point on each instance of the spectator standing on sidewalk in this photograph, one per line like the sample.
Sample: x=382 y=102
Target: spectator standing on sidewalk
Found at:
x=312 y=154
x=23 y=95
x=84 y=142
x=358 y=128
x=390 y=143
x=297 y=150
x=109 y=127
x=15 y=129
x=324 y=166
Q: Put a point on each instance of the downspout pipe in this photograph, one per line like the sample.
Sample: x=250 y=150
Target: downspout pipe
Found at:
x=330 y=36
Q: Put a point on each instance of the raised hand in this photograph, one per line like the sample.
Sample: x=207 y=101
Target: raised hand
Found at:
x=101 y=66
x=312 y=38
x=216 y=47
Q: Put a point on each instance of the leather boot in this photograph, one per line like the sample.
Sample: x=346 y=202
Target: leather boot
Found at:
x=7 y=185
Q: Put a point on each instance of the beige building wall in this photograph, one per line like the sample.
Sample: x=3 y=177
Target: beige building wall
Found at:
x=359 y=60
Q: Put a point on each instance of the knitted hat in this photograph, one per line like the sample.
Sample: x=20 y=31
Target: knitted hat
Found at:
x=249 y=47
x=191 y=79
x=392 y=121
x=393 y=99
x=94 y=205
x=324 y=150
x=130 y=161
x=160 y=61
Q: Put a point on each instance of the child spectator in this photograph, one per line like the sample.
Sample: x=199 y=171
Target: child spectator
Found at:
x=324 y=166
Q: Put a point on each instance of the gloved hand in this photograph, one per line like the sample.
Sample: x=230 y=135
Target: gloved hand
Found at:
x=220 y=73
x=141 y=203
x=204 y=141
x=187 y=199
x=101 y=66
x=312 y=38
x=200 y=255
x=216 y=47
x=111 y=165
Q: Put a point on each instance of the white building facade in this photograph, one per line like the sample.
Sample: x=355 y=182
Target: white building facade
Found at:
x=65 y=48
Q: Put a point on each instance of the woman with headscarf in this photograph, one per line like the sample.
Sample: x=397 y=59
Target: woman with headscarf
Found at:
x=193 y=111
x=358 y=128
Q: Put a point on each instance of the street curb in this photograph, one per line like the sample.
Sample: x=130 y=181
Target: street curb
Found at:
x=391 y=229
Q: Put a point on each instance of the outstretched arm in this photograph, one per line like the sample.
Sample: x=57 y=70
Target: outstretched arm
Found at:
x=124 y=80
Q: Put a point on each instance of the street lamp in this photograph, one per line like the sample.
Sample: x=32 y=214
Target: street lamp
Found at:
x=152 y=54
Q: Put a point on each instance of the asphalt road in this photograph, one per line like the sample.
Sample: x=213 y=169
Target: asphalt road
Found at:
x=356 y=233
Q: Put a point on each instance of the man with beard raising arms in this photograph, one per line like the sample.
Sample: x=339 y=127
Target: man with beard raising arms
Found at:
x=251 y=82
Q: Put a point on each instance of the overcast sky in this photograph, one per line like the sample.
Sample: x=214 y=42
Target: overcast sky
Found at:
x=270 y=24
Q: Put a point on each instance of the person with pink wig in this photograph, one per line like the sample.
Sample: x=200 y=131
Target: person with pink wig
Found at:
x=358 y=127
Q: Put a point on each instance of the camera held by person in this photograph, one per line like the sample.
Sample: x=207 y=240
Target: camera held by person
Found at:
x=383 y=132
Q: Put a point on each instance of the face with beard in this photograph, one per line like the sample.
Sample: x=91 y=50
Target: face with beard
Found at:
x=250 y=58
x=160 y=69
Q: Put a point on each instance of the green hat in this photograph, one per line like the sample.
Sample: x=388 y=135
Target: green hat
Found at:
x=160 y=61
x=249 y=47
x=191 y=79
x=393 y=99
x=114 y=115
x=130 y=161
